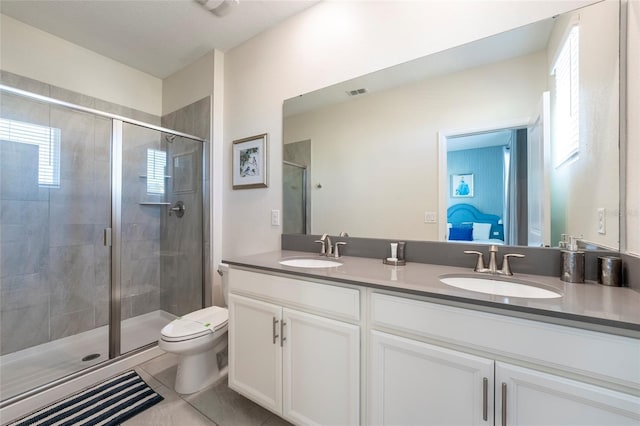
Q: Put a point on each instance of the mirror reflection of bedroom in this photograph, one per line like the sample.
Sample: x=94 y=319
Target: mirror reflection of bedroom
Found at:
x=487 y=188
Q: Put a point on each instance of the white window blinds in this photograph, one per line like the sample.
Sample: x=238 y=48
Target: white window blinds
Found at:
x=567 y=99
x=47 y=139
x=156 y=165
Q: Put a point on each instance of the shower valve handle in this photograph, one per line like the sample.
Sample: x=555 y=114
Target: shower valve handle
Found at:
x=178 y=208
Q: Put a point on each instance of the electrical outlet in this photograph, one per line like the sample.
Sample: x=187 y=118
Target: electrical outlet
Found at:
x=275 y=217
x=430 y=217
x=602 y=228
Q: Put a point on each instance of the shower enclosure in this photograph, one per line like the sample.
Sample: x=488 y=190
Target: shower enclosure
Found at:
x=101 y=236
x=294 y=198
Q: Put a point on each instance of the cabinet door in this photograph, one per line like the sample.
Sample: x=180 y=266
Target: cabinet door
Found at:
x=255 y=357
x=527 y=397
x=415 y=383
x=321 y=370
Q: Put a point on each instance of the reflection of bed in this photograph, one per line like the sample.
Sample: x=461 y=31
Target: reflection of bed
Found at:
x=467 y=223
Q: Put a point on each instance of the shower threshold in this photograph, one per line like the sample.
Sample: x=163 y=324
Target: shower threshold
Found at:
x=38 y=365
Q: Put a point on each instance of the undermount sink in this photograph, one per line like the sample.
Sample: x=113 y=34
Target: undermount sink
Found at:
x=499 y=286
x=310 y=263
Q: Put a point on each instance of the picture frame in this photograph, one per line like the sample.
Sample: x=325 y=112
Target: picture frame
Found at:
x=249 y=162
x=462 y=185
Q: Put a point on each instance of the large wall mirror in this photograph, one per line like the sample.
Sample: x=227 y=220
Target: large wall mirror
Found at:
x=512 y=139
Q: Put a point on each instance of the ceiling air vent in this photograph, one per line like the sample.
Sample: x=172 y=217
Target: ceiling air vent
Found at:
x=356 y=92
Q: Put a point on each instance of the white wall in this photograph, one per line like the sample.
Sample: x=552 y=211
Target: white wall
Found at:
x=377 y=156
x=32 y=53
x=329 y=43
x=598 y=154
x=633 y=128
x=190 y=84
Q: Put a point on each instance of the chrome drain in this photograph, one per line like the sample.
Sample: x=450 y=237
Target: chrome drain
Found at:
x=91 y=357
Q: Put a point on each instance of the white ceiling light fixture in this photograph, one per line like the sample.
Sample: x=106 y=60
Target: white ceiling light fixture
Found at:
x=219 y=8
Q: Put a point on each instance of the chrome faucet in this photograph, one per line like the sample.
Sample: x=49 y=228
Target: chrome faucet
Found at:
x=336 y=249
x=326 y=249
x=493 y=264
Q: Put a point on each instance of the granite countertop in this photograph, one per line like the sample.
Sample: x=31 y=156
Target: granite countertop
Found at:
x=590 y=305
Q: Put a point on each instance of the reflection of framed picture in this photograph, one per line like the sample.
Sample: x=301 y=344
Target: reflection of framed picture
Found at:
x=462 y=185
x=250 y=162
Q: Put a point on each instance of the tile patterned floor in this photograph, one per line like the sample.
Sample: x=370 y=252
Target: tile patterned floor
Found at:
x=215 y=405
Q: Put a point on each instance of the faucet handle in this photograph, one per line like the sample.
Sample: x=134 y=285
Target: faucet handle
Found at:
x=336 y=250
x=322 y=247
x=480 y=260
x=506 y=269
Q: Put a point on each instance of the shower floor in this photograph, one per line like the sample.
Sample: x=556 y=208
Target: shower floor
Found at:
x=38 y=365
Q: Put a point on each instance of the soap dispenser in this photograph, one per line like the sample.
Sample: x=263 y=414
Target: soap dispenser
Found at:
x=572 y=263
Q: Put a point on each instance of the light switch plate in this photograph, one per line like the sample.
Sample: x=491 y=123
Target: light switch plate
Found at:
x=430 y=217
x=275 y=217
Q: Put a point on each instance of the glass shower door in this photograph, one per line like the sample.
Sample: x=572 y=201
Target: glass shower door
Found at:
x=161 y=259
x=55 y=205
x=294 y=198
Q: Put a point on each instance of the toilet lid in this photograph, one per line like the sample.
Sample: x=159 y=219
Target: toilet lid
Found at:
x=196 y=324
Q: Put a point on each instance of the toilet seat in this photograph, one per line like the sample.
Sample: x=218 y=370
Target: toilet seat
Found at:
x=196 y=324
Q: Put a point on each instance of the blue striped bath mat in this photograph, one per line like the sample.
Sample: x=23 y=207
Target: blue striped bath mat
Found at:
x=108 y=403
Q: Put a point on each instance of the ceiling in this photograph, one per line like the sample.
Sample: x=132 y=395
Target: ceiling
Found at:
x=158 y=37
x=500 y=47
x=480 y=140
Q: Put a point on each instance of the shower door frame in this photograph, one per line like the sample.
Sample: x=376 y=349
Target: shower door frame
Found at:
x=305 y=209
x=112 y=235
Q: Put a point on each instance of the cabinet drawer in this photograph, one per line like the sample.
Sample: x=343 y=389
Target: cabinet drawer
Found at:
x=326 y=299
x=598 y=355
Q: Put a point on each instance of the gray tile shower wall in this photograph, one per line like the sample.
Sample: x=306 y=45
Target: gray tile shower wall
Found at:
x=184 y=239
x=55 y=270
x=539 y=260
x=40 y=88
x=140 y=262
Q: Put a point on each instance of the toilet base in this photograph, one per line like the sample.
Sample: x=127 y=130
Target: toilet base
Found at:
x=197 y=371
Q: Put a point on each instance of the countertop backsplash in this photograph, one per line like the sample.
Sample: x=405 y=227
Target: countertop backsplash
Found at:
x=538 y=261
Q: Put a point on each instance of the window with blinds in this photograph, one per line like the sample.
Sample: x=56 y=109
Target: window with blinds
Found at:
x=567 y=99
x=156 y=165
x=47 y=139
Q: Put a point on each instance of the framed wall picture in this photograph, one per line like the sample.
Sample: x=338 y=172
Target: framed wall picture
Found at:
x=250 y=162
x=462 y=185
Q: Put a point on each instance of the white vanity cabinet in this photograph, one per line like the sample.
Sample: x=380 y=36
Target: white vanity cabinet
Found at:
x=432 y=364
x=416 y=383
x=529 y=397
x=294 y=347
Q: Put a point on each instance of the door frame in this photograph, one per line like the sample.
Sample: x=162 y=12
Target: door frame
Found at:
x=443 y=136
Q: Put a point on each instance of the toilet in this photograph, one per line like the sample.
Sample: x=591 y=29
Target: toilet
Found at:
x=200 y=340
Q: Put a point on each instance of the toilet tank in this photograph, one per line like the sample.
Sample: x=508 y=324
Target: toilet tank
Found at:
x=223 y=270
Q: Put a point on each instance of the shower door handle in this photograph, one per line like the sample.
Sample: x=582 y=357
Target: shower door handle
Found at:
x=107 y=237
